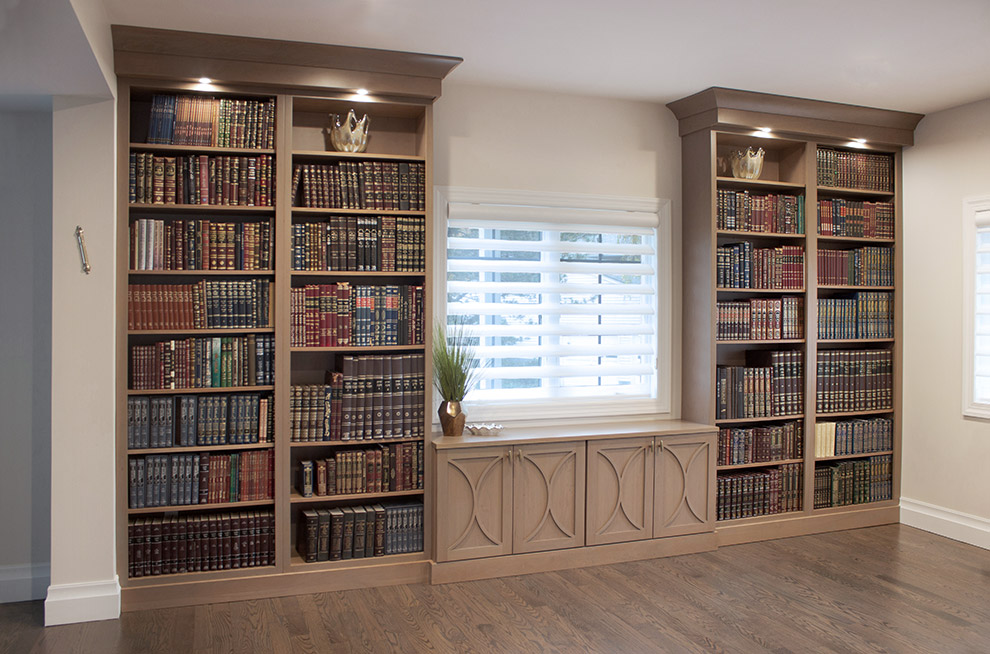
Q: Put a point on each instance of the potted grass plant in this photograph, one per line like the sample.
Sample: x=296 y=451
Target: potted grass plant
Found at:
x=455 y=370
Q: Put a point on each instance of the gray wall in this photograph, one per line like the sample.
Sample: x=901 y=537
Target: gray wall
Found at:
x=25 y=352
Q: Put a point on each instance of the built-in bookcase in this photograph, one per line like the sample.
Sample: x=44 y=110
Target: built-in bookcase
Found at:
x=272 y=333
x=792 y=308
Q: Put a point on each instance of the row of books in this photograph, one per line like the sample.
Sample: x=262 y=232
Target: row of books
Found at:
x=867 y=266
x=354 y=532
x=372 y=397
x=218 y=362
x=207 y=304
x=377 y=185
x=199 y=420
x=387 y=468
x=337 y=315
x=760 y=319
x=771 y=384
x=761 y=492
x=163 y=480
x=841 y=217
x=740 y=265
x=200 y=245
x=854 y=380
x=853 y=437
x=739 y=446
x=740 y=211
x=199 y=543
x=213 y=122
x=854 y=482
x=373 y=243
x=868 y=314
x=201 y=179
x=859 y=170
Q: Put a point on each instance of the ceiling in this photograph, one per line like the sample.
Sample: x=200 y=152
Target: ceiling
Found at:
x=909 y=55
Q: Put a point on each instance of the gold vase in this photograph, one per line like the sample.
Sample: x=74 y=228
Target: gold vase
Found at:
x=452 y=418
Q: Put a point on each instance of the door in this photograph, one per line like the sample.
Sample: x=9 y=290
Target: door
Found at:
x=548 y=497
x=620 y=490
x=474 y=503
x=685 y=475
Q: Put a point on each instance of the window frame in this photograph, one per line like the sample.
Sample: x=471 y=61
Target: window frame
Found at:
x=566 y=412
x=976 y=210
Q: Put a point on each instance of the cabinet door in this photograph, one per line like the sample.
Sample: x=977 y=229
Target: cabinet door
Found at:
x=685 y=499
x=474 y=503
x=620 y=490
x=548 y=497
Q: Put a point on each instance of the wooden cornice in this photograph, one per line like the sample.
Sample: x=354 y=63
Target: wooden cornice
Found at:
x=722 y=108
x=149 y=54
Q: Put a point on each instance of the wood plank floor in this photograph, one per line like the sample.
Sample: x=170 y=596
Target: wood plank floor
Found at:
x=882 y=589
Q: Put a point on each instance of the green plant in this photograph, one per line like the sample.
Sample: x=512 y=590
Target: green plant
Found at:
x=455 y=365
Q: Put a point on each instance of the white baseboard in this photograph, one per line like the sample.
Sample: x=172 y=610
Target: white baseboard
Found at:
x=946 y=522
x=22 y=583
x=68 y=603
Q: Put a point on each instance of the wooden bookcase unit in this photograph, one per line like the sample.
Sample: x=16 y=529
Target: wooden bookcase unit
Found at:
x=792 y=132
x=305 y=83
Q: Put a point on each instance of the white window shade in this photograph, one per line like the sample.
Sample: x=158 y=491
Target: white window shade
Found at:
x=562 y=303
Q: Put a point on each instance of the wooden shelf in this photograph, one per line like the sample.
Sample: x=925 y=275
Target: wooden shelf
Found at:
x=297 y=564
x=354 y=273
x=359 y=212
x=782 y=291
x=853 y=341
x=201 y=576
x=198 y=208
x=360 y=348
x=840 y=287
x=773 y=235
x=199 y=149
x=861 y=455
x=202 y=273
x=846 y=414
x=746 y=421
x=356 y=442
x=760 y=184
x=756 y=518
x=201 y=448
x=202 y=507
x=852 y=507
x=857 y=239
x=195 y=391
x=361 y=156
x=762 y=464
x=771 y=341
x=838 y=190
x=199 y=332
x=296 y=498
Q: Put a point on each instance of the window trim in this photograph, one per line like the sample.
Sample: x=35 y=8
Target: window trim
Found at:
x=972 y=208
x=660 y=407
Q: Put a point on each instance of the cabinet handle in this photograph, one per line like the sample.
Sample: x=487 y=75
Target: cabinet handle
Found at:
x=519 y=455
x=661 y=445
x=650 y=447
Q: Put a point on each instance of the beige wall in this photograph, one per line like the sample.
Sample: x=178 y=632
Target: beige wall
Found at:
x=25 y=352
x=946 y=461
x=529 y=140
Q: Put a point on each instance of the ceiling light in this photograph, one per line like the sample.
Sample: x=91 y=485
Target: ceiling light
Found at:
x=362 y=91
x=860 y=141
x=205 y=80
x=765 y=130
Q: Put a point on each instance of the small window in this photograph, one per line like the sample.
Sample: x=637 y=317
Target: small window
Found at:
x=976 y=306
x=566 y=297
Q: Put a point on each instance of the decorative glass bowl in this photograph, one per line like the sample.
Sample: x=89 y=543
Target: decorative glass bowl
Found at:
x=485 y=429
x=747 y=164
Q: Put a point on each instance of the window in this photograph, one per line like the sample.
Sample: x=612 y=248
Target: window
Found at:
x=566 y=297
x=976 y=307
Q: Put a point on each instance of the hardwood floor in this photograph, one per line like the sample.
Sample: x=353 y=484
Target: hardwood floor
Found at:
x=882 y=589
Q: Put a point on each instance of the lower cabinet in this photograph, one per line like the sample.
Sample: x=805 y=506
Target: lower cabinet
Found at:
x=495 y=500
x=505 y=500
x=642 y=488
